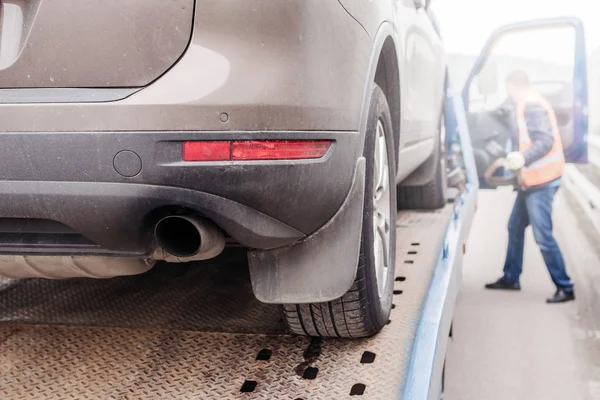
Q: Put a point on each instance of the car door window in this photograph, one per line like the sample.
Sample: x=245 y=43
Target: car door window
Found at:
x=546 y=55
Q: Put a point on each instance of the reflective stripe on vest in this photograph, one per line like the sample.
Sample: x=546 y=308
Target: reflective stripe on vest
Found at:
x=552 y=165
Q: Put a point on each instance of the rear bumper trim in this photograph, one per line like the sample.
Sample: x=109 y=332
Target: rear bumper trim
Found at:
x=119 y=217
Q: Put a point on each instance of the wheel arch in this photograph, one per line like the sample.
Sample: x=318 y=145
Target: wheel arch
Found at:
x=387 y=77
x=385 y=71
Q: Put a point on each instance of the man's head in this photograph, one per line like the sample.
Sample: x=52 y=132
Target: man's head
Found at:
x=517 y=83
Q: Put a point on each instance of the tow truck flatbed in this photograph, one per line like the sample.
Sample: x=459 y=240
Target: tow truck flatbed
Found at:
x=198 y=333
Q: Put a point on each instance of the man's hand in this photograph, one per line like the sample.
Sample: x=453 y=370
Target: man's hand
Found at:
x=514 y=161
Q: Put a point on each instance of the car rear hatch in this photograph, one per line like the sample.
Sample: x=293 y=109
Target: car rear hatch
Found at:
x=91 y=43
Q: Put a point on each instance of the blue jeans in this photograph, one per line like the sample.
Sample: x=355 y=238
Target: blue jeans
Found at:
x=535 y=208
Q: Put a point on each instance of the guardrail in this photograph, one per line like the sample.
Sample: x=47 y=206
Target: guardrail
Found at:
x=594 y=141
x=594 y=149
x=586 y=193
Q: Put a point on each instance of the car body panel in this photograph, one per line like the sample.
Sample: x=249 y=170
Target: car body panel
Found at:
x=304 y=69
x=422 y=64
x=109 y=43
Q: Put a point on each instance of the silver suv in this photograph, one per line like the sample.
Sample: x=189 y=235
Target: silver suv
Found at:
x=139 y=131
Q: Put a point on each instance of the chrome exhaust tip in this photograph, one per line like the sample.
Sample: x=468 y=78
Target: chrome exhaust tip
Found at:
x=184 y=238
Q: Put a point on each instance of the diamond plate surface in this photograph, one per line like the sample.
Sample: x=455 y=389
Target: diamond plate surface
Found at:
x=203 y=296
x=195 y=333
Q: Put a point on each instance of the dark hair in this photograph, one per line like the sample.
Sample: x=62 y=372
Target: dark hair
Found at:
x=518 y=78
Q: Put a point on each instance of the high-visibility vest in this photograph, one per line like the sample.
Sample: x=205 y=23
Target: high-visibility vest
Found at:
x=552 y=165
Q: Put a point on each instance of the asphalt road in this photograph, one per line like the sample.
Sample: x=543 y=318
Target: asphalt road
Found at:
x=513 y=345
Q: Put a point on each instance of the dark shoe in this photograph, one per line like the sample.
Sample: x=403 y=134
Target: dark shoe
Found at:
x=503 y=284
x=561 y=296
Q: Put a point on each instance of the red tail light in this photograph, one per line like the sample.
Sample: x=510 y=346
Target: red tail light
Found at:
x=279 y=149
x=249 y=150
x=206 y=151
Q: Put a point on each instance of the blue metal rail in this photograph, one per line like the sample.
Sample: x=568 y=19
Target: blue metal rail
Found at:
x=424 y=380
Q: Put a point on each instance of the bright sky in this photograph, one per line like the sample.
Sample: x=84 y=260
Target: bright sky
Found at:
x=466 y=24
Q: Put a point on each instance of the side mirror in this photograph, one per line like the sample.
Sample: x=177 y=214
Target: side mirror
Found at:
x=487 y=81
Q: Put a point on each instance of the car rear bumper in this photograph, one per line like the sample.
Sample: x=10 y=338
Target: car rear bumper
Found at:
x=103 y=192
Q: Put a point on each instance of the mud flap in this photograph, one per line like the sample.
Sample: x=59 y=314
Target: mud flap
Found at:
x=321 y=267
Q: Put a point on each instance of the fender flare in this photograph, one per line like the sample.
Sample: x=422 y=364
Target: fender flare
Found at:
x=385 y=30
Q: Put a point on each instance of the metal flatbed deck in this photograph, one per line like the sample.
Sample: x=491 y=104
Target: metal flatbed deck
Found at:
x=197 y=332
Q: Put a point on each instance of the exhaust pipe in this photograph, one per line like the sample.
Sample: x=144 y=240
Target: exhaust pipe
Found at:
x=187 y=238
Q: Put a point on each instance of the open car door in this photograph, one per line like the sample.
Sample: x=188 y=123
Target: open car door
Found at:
x=552 y=53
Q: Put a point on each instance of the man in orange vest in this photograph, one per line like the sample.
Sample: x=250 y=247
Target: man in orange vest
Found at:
x=537 y=159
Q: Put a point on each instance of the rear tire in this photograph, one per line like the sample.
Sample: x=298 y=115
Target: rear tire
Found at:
x=433 y=194
x=366 y=307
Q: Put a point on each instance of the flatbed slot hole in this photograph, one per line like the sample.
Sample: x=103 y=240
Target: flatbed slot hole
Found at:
x=248 y=386
x=367 y=357
x=358 y=389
